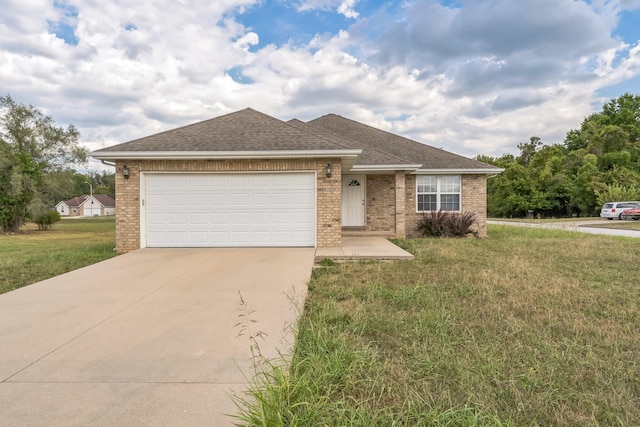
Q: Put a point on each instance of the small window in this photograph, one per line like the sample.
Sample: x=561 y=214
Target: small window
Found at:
x=353 y=183
x=438 y=193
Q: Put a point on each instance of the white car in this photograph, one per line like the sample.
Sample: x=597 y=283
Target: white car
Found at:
x=614 y=209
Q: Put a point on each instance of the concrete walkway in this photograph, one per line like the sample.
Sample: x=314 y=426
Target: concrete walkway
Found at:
x=145 y=339
x=354 y=248
x=588 y=226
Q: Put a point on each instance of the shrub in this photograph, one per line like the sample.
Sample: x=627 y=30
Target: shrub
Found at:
x=447 y=224
x=46 y=220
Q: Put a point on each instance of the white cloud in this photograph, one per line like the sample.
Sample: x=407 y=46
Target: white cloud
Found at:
x=343 y=7
x=477 y=79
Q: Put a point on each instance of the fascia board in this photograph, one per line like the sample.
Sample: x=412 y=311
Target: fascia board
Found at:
x=458 y=171
x=378 y=168
x=187 y=155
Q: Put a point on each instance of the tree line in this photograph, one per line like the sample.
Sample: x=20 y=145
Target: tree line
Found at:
x=37 y=165
x=595 y=164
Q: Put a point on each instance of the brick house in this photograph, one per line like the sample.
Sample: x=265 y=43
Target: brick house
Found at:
x=87 y=205
x=248 y=179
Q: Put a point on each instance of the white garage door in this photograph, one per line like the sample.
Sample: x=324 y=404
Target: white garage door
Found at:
x=226 y=210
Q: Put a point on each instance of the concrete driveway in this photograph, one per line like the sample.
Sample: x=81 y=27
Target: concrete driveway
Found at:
x=146 y=338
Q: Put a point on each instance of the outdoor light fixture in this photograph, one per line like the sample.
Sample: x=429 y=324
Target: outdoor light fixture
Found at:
x=125 y=172
x=328 y=168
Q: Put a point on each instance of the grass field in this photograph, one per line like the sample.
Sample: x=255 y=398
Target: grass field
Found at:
x=32 y=255
x=529 y=327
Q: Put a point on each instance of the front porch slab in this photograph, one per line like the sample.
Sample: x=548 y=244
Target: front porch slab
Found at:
x=356 y=248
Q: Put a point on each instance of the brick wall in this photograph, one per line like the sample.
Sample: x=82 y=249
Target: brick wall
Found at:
x=381 y=203
x=329 y=204
x=474 y=199
x=400 y=203
x=128 y=191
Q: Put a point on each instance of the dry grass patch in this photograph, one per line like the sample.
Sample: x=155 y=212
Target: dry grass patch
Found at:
x=526 y=327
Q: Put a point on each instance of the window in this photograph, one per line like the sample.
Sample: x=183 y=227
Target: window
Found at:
x=438 y=193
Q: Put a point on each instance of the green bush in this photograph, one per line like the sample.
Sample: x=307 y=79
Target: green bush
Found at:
x=447 y=224
x=46 y=220
x=617 y=193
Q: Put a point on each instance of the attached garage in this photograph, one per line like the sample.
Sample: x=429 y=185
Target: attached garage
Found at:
x=228 y=209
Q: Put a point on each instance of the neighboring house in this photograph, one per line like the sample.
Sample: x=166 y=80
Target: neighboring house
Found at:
x=249 y=179
x=87 y=205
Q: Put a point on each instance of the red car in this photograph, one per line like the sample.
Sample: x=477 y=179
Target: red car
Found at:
x=632 y=213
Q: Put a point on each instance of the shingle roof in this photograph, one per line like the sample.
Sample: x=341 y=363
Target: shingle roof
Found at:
x=76 y=201
x=369 y=155
x=411 y=151
x=106 y=201
x=244 y=130
x=249 y=131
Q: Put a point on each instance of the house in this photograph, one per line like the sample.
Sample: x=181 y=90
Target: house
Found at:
x=87 y=205
x=248 y=179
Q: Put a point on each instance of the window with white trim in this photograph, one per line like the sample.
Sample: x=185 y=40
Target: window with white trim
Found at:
x=438 y=193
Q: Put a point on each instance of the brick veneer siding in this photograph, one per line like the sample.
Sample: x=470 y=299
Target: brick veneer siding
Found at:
x=381 y=203
x=400 y=196
x=474 y=199
x=328 y=208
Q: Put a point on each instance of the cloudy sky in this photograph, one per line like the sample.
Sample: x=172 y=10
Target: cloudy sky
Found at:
x=471 y=76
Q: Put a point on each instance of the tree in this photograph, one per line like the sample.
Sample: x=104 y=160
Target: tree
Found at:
x=31 y=149
x=599 y=160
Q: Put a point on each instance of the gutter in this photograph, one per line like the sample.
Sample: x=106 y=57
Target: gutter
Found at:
x=193 y=155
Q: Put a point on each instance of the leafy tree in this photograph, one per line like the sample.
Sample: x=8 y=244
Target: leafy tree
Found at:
x=32 y=149
x=611 y=192
x=583 y=192
x=599 y=160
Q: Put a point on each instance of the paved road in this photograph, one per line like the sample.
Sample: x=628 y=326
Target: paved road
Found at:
x=144 y=339
x=578 y=226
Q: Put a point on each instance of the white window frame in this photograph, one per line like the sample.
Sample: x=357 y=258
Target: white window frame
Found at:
x=439 y=185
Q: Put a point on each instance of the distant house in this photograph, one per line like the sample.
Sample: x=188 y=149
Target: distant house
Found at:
x=87 y=205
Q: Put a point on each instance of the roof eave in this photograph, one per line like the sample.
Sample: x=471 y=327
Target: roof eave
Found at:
x=460 y=171
x=195 y=155
x=384 y=168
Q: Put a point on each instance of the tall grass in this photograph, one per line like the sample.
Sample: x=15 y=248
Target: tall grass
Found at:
x=33 y=255
x=525 y=328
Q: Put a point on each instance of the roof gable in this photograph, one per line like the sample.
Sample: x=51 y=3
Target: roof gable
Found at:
x=244 y=130
x=103 y=199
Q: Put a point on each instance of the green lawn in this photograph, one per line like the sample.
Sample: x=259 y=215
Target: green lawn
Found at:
x=33 y=255
x=529 y=327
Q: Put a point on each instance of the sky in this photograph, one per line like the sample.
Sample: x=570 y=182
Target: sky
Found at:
x=469 y=76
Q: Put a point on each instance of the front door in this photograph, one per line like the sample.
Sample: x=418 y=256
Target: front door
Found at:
x=353 y=200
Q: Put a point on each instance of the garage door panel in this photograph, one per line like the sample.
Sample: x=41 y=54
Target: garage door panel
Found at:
x=177 y=218
x=218 y=218
x=250 y=209
x=198 y=218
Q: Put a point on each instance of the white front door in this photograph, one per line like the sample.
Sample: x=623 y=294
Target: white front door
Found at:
x=353 y=200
